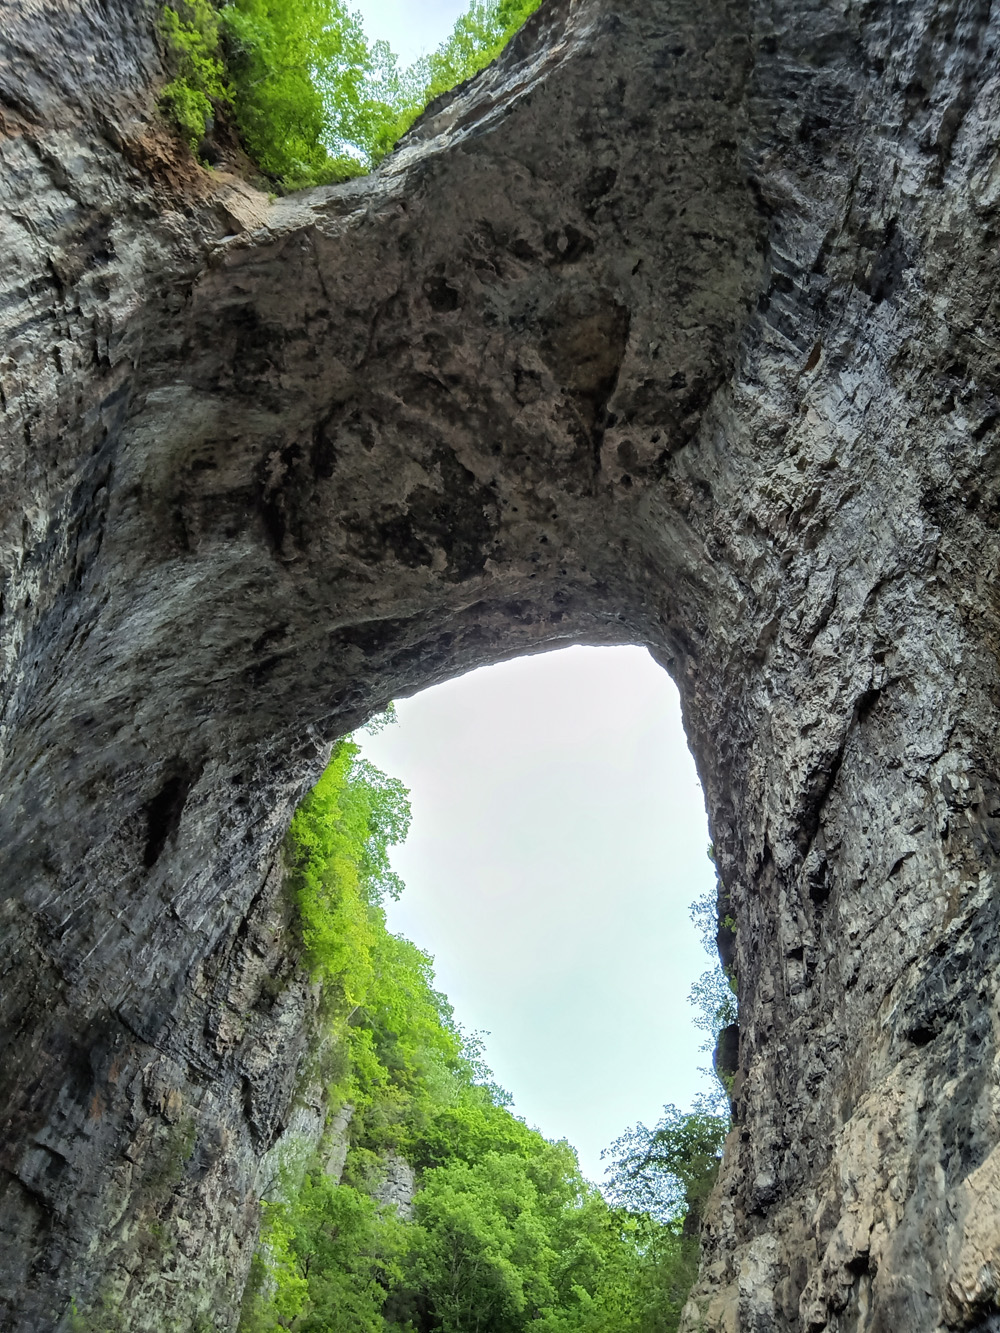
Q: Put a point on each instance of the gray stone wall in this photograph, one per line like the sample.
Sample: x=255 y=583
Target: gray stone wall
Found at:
x=678 y=326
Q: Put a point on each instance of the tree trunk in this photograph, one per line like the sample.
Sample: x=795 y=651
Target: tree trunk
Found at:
x=677 y=326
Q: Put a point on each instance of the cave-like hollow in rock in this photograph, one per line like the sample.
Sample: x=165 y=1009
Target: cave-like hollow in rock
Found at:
x=677 y=326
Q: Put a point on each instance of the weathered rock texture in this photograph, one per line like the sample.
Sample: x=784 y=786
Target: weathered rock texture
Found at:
x=678 y=326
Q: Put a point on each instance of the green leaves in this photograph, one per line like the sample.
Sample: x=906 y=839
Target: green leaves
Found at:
x=191 y=31
x=313 y=102
x=481 y=1249
x=340 y=839
x=508 y=1236
x=715 y=1001
x=669 y=1170
x=298 y=70
x=332 y=1256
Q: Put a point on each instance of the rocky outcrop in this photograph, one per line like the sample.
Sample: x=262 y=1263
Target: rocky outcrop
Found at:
x=677 y=326
x=397 y=1188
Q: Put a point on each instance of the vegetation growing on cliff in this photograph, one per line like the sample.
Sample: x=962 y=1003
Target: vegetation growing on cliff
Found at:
x=714 y=994
x=312 y=99
x=505 y=1232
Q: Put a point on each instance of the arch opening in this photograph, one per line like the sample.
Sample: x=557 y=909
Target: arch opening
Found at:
x=559 y=838
x=534 y=786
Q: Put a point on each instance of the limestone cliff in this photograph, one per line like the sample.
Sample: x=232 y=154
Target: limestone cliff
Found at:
x=677 y=326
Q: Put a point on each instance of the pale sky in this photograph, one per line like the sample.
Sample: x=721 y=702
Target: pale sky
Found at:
x=411 y=27
x=558 y=838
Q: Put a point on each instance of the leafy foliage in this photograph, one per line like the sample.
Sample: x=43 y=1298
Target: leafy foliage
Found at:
x=506 y=1234
x=713 y=995
x=299 y=74
x=341 y=837
x=479 y=35
x=191 y=31
x=668 y=1171
x=715 y=1002
x=314 y=102
x=330 y=1261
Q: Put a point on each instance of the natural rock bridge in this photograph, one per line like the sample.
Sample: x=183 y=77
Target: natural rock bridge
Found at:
x=678 y=326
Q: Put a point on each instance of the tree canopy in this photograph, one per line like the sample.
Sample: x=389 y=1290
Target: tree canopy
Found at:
x=313 y=101
x=505 y=1232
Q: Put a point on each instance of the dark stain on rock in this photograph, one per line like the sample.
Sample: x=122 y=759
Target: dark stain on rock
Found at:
x=596 y=188
x=881 y=274
x=441 y=295
x=163 y=813
x=255 y=355
x=324 y=450
x=585 y=348
x=726 y=1056
x=567 y=245
x=453 y=518
x=277 y=498
x=988 y=1319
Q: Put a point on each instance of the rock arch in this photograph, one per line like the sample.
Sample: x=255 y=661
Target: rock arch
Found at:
x=677 y=326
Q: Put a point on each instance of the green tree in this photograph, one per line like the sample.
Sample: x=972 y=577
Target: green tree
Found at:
x=478 y=37
x=191 y=32
x=507 y=1234
x=313 y=101
x=300 y=75
x=332 y=1256
x=340 y=839
x=669 y=1170
x=481 y=1258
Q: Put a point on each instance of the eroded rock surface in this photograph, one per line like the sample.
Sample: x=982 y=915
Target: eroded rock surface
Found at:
x=677 y=326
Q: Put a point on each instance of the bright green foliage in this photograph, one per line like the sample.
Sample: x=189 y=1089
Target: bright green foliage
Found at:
x=483 y=1256
x=507 y=1237
x=512 y=1242
x=299 y=71
x=191 y=31
x=313 y=101
x=340 y=839
x=406 y=1052
x=331 y=1256
x=478 y=37
x=668 y=1171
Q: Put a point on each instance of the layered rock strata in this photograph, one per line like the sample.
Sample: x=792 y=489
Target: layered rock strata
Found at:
x=677 y=326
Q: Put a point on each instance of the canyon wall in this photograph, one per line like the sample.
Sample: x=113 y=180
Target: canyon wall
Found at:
x=677 y=326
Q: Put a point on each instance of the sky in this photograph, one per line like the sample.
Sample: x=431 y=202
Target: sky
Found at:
x=558 y=839
x=411 y=27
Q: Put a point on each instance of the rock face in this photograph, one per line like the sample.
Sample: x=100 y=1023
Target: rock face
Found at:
x=399 y=1185
x=677 y=326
